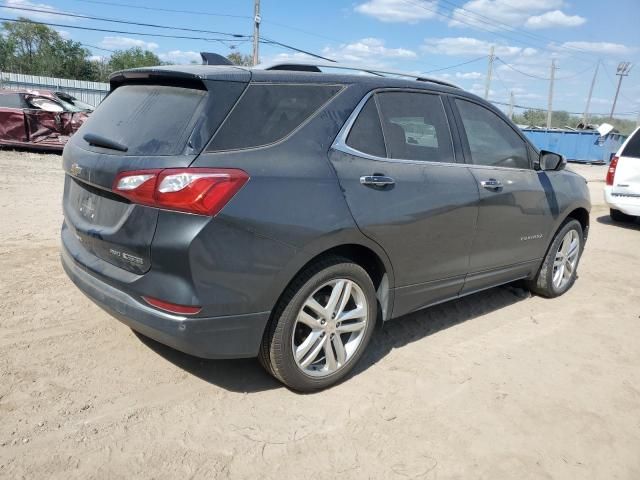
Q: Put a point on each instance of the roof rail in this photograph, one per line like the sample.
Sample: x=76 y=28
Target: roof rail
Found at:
x=316 y=67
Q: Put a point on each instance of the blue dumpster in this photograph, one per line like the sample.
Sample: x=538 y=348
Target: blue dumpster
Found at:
x=586 y=146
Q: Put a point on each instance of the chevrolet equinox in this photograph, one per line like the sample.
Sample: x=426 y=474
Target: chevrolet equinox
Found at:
x=281 y=212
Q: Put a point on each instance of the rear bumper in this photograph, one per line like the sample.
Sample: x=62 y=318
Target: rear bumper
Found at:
x=629 y=204
x=234 y=336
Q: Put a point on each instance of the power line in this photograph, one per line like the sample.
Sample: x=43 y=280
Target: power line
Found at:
x=158 y=9
x=93 y=29
x=97 y=48
x=194 y=12
x=544 y=78
x=454 y=66
x=160 y=35
x=295 y=49
x=525 y=107
x=491 y=31
x=520 y=71
x=116 y=20
x=493 y=22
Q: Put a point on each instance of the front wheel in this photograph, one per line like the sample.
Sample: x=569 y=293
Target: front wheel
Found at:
x=321 y=326
x=559 y=268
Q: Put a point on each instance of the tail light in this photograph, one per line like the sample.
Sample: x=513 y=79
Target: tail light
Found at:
x=204 y=191
x=611 y=172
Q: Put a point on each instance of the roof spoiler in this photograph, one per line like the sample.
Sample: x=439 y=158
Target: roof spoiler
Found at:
x=209 y=58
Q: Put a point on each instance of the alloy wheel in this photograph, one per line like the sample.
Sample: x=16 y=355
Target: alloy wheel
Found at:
x=329 y=327
x=566 y=259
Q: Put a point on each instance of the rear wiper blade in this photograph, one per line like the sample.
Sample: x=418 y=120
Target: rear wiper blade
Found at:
x=104 y=142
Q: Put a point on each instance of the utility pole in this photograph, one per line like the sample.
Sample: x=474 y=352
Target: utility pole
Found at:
x=511 y=102
x=623 y=70
x=550 y=104
x=487 y=85
x=256 y=31
x=585 y=117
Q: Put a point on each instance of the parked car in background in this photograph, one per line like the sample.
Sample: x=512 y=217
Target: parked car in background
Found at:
x=39 y=119
x=279 y=213
x=622 y=185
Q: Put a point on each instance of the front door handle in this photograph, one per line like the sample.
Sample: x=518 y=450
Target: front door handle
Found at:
x=377 y=180
x=491 y=184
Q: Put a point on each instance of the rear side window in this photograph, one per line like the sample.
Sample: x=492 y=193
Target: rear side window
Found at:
x=366 y=133
x=632 y=148
x=147 y=119
x=11 y=100
x=267 y=113
x=415 y=127
x=491 y=140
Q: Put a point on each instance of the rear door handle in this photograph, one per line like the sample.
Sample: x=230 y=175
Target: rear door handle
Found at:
x=377 y=180
x=491 y=184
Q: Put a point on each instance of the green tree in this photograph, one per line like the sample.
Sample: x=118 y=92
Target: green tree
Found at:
x=241 y=59
x=133 y=58
x=36 y=49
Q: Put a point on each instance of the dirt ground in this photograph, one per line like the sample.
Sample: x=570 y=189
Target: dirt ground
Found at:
x=496 y=385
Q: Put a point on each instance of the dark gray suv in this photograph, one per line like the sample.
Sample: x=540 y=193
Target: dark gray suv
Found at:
x=234 y=212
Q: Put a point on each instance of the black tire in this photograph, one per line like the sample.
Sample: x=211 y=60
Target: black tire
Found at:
x=618 y=216
x=276 y=352
x=542 y=283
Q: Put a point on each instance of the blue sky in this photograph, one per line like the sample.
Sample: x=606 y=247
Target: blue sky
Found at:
x=408 y=35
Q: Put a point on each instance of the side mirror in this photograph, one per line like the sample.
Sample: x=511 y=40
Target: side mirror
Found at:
x=551 y=161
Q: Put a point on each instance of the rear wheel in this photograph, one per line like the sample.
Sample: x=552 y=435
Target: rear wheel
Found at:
x=559 y=269
x=618 y=216
x=321 y=326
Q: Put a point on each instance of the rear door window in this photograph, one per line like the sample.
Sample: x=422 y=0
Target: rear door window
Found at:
x=415 y=127
x=491 y=140
x=267 y=113
x=366 y=132
x=632 y=148
x=147 y=119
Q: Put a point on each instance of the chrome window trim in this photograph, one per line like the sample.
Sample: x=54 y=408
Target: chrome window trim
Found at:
x=340 y=143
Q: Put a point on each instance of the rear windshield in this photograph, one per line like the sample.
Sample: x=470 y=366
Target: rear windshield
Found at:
x=267 y=113
x=632 y=149
x=147 y=119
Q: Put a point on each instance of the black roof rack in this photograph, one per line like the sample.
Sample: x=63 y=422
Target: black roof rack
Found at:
x=316 y=67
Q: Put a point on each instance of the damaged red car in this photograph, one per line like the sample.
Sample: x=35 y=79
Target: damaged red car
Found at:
x=39 y=119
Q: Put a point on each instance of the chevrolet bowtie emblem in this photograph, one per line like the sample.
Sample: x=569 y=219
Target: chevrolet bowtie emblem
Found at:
x=75 y=169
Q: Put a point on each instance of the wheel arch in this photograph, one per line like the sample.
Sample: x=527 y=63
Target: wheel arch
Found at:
x=581 y=214
x=370 y=257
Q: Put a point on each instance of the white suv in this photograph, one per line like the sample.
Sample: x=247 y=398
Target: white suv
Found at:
x=622 y=189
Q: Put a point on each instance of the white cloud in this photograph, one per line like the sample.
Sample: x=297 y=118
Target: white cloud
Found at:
x=399 y=10
x=554 y=18
x=513 y=13
x=469 y=75
x=288 y=57
x=180 y=57
x=64 y=34
x=123 y=43
x=367 y=50
x=600 y=47
x=471 y=46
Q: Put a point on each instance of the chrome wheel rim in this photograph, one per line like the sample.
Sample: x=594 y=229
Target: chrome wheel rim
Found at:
x=566 y=259
x=329 y=327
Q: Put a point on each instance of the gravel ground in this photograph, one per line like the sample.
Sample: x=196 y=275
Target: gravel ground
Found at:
x=496 y=385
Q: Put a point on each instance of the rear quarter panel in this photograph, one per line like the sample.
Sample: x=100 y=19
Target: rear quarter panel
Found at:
x=291 y=210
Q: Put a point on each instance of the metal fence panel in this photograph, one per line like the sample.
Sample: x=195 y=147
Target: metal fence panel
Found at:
x=89 y=92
